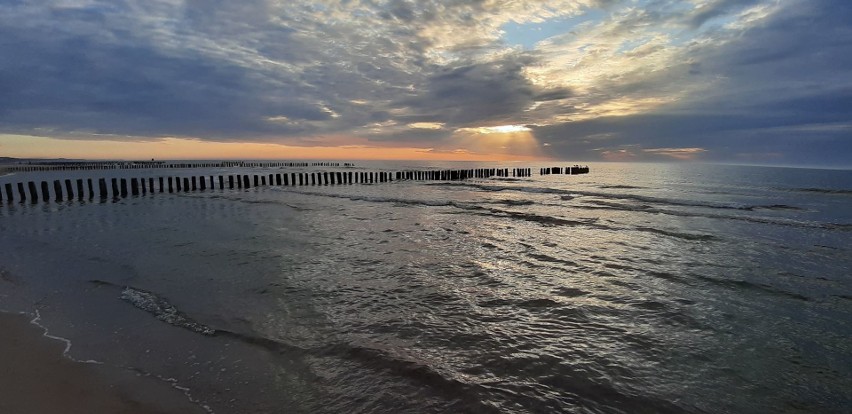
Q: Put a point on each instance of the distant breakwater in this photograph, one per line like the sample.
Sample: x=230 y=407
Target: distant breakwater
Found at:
x=119 y=188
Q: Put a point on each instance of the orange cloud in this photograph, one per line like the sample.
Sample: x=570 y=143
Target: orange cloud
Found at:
x=684 y=154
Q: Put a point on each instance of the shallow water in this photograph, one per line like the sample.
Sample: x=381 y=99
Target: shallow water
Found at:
x=636 y=288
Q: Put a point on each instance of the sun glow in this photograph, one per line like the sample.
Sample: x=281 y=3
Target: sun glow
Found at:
x=500 y=129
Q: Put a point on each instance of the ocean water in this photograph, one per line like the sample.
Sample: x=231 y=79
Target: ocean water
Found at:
x=655 y=288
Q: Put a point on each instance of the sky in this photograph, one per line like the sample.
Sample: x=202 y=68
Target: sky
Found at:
x=740 y=81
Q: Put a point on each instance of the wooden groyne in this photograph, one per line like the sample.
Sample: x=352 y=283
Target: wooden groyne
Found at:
x=118 y=188
x=573 y=170
x=134 y=165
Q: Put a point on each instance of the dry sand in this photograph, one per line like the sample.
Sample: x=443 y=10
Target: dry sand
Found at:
x=35 y=378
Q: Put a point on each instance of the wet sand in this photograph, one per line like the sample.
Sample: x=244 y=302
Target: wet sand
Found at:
x=35 y=378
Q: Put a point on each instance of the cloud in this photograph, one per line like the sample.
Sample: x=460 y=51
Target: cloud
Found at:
x=730 y=77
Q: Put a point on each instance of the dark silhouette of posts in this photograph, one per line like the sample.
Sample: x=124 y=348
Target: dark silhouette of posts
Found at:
x=21 y=192
x=102 y=188
x=33 y=191
x=45 y=195
x=91 y=189
x=123 y=187
x=114 y=183
x=69 y=190
x=134 y=186
x=79 y=188
x=221 y=183
x=186 y=184
x=57 y=188
x=9 y=195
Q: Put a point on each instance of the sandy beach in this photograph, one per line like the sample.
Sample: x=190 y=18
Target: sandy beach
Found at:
x=35 y=378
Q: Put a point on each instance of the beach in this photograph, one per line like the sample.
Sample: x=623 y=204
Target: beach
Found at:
x=36 y=378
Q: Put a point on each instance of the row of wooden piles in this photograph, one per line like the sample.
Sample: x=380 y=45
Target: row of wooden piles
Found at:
x=117 y=188
x=573 y=170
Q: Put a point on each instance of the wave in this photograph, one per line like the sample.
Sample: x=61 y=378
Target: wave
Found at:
x=163 y=310
x=750 y=219
x=538 y=218
x=370 y=357
x=571 y=194
x=625 y=187
x=757 y=287
x=832 y=191
x=679 y=235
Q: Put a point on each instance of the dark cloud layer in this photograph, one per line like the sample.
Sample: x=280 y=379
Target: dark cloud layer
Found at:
x=743 y=81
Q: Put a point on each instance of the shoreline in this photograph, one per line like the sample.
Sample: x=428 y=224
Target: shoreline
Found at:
x=37 y=378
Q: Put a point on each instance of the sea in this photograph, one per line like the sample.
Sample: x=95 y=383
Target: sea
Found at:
x=637 y=288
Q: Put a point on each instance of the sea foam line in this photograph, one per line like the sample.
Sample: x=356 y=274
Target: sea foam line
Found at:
x=174 y=383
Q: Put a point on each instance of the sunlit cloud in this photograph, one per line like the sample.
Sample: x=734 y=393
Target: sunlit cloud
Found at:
x=683 y=154
x=426 y=125
x=500 y=129
x=722 y=75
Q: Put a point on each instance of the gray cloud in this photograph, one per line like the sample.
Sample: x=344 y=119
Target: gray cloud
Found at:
x=731 y=77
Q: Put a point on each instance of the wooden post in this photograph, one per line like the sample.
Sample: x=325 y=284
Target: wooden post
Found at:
x=301 y=179
x=313 y=179
x=21 y=192
x=151 y=185
x=246 y=182
x=123 y=187
x=69 y=190
x=79 y=188
x=186 y=184
x=263 y=180
x=221 y=183
x=45 y=194
x=202 y=183
x=33 y=192
x=134 y=186
x=102 y=188
x=9 y=194
x=171 y=186
x=230 y=181
x=194 y=184
x=255 y=180
x=278 y=179
x=57 y=188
